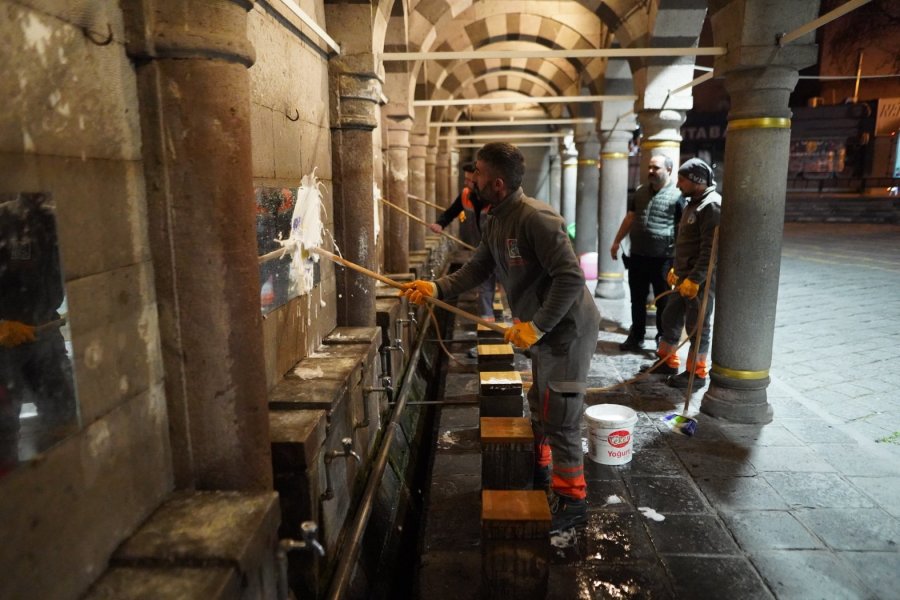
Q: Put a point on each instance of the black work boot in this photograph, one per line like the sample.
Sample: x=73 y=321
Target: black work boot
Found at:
x=660 y=367
x=680 y=381
x=633 y=343
x=566 y=513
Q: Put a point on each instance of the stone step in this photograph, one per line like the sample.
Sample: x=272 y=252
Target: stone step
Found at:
x=507 y=453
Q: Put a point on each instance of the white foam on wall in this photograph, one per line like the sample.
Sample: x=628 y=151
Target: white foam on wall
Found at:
x=306 y=232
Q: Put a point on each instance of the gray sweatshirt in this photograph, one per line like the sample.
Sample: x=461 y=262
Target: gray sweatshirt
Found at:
x=525 y=241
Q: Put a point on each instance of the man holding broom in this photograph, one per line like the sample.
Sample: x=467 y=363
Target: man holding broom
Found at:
x=525 y=242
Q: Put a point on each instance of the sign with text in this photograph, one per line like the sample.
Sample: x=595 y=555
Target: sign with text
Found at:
x=887 y=120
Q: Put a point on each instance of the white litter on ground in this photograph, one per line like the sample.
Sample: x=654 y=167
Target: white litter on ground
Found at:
x=613 y=500
x=650 y=513
x=564 y=539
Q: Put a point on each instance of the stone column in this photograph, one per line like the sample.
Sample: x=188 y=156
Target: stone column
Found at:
x=661 y=136
x=194 y=97
x=453 y=175
x=756 y=160
x=354 y=117
x=442 y=178
x=613 y=200
x=568 y=193
x=430 y=192
x=555 y=180
x=396 y=256
x=417 y=149
x=586 y=198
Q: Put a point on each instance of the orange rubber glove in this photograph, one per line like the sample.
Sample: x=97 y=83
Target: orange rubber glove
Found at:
x=14 y=333
x=688 y=289
x=672 y=278
x=418 y=290
x=462 y=216
x=523 y=335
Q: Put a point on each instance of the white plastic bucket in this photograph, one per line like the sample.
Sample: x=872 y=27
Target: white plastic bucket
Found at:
x=610 y=429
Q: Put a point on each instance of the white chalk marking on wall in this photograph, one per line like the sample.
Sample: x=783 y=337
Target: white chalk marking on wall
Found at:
x=376 y=206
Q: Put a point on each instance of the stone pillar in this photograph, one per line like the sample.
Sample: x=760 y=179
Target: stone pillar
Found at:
x=568 y=193
x=587 y=195
x=354 y=117
x=417 y=148
x=613 y=200
x=442 y=178
x=453 y=175
x=555 y=180
x=430 y=191
x=757 y=151
x=396 y=256
x=661 y=136
x=194 y=97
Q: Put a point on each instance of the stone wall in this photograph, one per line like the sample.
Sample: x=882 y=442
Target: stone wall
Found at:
x=71 y=129
x=291 y=138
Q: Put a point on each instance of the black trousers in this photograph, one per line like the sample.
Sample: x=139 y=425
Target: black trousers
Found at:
x=645 y=272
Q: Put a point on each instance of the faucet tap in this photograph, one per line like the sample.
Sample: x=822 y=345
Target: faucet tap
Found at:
x=345 y=452
x=309 y=541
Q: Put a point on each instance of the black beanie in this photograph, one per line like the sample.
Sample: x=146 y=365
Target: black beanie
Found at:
x=697 y=171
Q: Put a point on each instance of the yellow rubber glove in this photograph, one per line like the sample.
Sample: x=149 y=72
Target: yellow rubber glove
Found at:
x=14 y=333
x=418 y=290
x=672 y=278
x=523 y=335
x=688 y=289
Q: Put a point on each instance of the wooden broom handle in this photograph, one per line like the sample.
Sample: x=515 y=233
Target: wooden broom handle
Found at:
x=395 y=284
x=700 y=318
x=415 y=218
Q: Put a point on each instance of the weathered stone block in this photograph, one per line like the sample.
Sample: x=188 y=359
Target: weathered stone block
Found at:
x=507 y=453
x=191 y=528
x=515 y=530
x=139 y=583
x=495 y=357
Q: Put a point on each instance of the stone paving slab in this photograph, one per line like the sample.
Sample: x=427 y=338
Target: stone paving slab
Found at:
x=807 y=506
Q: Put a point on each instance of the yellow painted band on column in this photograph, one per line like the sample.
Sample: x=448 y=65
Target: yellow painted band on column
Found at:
x=568 y=165
x=611 y=275
x=760 y=123
x=651 y=144
x=737 y=374
x=610 y=155
x=587 y=161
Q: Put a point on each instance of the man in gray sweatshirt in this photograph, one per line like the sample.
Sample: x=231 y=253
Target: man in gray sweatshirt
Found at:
x=525 y=242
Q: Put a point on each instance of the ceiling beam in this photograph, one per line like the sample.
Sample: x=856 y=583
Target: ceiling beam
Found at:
x=522 y=100
x=513 y=123
x=592 y=53
x=522 y=145
x=506 y=135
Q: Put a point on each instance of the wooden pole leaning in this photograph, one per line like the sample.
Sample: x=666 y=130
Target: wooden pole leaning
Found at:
x=700 y=319
x=415 y=218
x=426 y=202
x=394 y=284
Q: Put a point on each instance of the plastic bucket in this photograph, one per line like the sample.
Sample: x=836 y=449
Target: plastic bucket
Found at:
x=588 y=262
x=610 y=429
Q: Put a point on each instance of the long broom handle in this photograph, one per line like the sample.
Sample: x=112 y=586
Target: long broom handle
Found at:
x=399 y=286
x=415 y=218
x=700 y=318
x=426 y=202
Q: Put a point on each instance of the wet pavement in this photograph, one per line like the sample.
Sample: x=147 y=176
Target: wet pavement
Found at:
x=807 y=506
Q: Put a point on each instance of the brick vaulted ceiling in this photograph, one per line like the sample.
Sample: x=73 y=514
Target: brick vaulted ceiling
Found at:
x=457 y=25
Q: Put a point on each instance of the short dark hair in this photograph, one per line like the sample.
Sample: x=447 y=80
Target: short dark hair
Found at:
x=506 y=160
x=468 y=167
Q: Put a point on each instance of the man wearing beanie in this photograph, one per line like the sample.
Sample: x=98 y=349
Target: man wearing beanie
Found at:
x=693 y=247
x=653 y=211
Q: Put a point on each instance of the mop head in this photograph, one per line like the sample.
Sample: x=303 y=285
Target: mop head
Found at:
x=681 y=424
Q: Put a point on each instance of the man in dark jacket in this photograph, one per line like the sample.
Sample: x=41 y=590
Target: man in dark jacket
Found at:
x=693 y=250
x=649 y=223
x=525 y=242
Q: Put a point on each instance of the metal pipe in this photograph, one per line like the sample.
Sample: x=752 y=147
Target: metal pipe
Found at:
x=350 y=550
x=858 y=75
x=564 y=54
x=786 y=38
x=311 y=23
